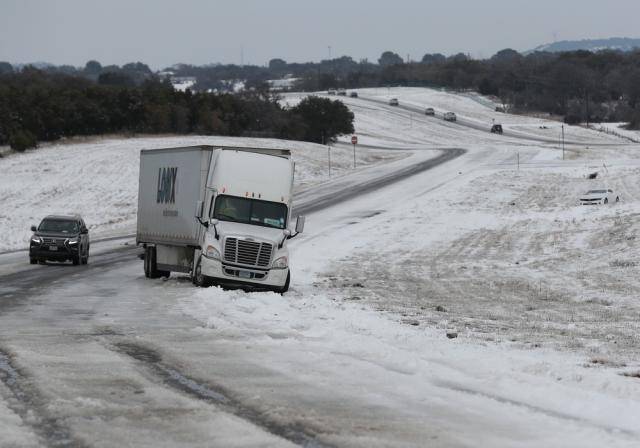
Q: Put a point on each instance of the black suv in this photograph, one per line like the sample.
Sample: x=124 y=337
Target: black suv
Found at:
x=60 y=238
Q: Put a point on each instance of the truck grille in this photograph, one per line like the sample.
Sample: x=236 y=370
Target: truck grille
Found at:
x=249 y=253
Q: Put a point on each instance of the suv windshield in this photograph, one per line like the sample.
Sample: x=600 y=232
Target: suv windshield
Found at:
x=250 y=211
x=596 y=191
x=58 y=225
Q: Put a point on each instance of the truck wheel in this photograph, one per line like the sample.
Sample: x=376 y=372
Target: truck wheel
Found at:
x=285 y=288
x=33 y=261
x=75 y=261
x=199 y=279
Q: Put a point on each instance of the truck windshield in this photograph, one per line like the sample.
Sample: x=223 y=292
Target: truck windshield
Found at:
x=58 y=225
x=250 y=211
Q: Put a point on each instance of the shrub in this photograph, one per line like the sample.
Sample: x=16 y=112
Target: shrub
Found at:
x=22 y=140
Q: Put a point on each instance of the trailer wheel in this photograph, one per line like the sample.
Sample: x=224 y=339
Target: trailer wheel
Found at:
x=146 y=262
x=151 y=270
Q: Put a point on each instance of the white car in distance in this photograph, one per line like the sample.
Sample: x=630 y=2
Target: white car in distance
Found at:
x=449 y=116
x=597 y=197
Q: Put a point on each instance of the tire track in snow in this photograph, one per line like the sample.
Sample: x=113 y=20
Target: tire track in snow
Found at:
x=216 y=395
x=537 y=409
x=30 y=408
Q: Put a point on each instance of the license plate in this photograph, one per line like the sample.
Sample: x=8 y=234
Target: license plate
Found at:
x=244 y=274
x=54 y=248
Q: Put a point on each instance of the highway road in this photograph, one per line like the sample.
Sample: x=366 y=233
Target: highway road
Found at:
x=95 y=356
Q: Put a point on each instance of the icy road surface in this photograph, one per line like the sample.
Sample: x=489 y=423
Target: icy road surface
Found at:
x=473 y=304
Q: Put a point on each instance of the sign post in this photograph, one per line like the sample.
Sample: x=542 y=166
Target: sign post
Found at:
x=354 y=142
x=563 y=141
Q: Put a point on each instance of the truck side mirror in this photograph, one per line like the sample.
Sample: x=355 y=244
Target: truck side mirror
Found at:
x=300 y=224
x=84 y=231
x=34 y=228
x=199 y=207
x=214 y=222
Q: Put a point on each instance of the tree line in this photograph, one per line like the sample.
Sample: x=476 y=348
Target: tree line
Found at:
x=46 y=105
x=580 y=86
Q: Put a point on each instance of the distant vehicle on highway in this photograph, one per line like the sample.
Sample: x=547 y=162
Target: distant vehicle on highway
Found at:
x=500 y=109
x=496 y=129
x=429 y=111
x=394 y=102
x=60 y=238
x=342 y=92
x=353 y=94
x=331 y=92
x=449 y=116
x=597 y=197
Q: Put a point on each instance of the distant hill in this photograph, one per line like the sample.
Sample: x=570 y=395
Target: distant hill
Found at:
x=613 y=43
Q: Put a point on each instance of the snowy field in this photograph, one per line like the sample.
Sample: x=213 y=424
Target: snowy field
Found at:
x=99 y=179
x=474 y=304
x=539 y=292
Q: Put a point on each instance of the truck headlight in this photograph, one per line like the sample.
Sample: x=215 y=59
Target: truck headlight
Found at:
x=36 y=240
x=72 y=241
x=281 y=263
x=212 y=252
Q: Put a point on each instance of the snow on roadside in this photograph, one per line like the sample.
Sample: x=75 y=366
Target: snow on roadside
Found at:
x=13 y=431
x=417 y=372
x=379 y=282
x=99 y=179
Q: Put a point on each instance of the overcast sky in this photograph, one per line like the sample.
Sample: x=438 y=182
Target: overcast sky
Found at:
x=164 y=32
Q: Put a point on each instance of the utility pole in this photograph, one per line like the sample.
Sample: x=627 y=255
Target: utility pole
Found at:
x=329 y=47
x=562 y=141
x=354 y=141
x=587 y=93
x=329 y=155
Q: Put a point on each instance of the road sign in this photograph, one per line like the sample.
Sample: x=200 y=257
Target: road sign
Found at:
x=354 y=139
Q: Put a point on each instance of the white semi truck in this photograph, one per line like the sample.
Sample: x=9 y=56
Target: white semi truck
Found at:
x=220 y=214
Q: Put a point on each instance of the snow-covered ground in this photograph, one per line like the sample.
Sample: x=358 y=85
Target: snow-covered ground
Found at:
x=474 y=304
x=617 y=129
x=397 y=123
x=99 y=179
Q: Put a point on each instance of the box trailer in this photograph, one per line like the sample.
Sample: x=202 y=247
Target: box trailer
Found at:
x=221 y=214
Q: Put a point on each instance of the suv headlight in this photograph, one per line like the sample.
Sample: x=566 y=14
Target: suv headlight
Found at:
x=281 y=263
x=212 y=252
x=72 y=241
x=36 y=240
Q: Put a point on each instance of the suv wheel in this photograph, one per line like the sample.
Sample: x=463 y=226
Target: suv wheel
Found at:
x=33 y=261
x=76 y=260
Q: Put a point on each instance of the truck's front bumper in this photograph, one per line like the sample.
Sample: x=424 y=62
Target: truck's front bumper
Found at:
x=227 y=274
